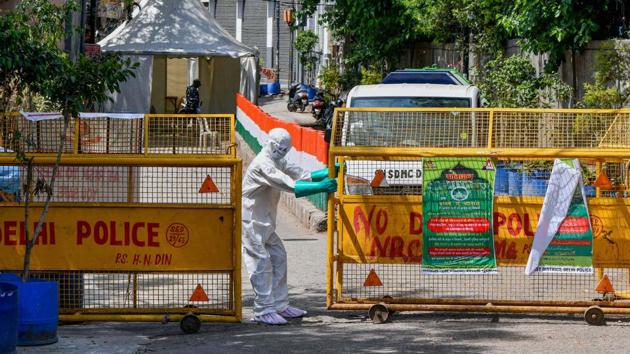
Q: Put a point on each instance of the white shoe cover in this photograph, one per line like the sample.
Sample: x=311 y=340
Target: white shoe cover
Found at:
x=293 y=312
x=271 y=318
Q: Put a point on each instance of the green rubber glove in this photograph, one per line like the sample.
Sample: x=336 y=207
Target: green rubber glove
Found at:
x=319 y=175
x=304 y=188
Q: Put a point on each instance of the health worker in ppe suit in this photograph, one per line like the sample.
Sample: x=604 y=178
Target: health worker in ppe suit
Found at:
x=263 y=252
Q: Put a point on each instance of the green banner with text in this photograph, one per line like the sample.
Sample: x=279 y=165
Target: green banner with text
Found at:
x=457 y=206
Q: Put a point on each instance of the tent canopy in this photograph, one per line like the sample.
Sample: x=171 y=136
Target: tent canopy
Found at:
x=174 y=28
x=167 y=29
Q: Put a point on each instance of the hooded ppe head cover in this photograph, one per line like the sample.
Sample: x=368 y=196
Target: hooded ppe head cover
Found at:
x=279 y=143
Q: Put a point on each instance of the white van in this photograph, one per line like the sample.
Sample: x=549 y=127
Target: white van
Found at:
x=372 y=129
x=413 y=96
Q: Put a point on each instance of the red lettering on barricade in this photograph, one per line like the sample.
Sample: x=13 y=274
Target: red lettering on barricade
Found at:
x=152 y=234
x=101 y=234
x=114 y=242
x=514 y=230
x=83 y=231
x=414 y=252
x=415 y=223
x=9 y=231
x=134 y=234
x=397 y=246
x=528 y=226
x=378 y=249
x=499 y=220
x=359 y=216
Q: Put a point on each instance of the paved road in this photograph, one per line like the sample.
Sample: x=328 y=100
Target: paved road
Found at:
x=345 y=332
x=277 y=107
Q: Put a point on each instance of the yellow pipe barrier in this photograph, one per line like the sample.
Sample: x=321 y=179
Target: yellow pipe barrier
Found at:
x=511 y=153
x=130 y=160
x=144 y=318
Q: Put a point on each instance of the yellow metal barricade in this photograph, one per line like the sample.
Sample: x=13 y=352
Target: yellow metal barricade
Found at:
x=375 y=230
x=188 y=134
x=133 y=233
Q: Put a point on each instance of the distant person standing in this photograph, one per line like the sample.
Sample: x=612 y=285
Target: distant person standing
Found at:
x=622 y=30
x=192 y=99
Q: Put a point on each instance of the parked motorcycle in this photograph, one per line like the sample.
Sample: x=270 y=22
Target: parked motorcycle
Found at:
x=329 y=113
x=298 y=98
x=318 y=107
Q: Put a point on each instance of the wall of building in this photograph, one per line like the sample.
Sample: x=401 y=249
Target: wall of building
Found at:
x=254 y=32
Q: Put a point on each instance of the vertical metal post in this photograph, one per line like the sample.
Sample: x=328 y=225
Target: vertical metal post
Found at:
x=135 y=290
x=330 y=257
x=92 y=20
x=237 y=202
x=598 y=170
x=490 y=128
x=339 y=252
x=277 y=2
x=146 y=134
x=77 y=131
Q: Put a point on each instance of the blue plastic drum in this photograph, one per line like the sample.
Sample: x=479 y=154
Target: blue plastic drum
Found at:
x=535 y=182
x=515 y=182
x=9 y=317
x=311 y=92
x=38 y=310
x=273 y=88
x=501 y=184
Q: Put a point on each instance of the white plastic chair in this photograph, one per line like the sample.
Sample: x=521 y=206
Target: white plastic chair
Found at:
x=205 y=133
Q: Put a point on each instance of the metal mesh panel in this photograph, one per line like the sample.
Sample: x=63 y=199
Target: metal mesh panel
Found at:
x=35 y=136
x=470 y=128
x=559 y=129
x=189 y=134
x=129 y=184
x=516 y=178
x=412 y=128
x=520 y=173
x=142 y=291
x=407 y=281
x=110 y=136
x=176 y=134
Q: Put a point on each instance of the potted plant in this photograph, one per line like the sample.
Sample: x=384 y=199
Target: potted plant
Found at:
x=33 y=65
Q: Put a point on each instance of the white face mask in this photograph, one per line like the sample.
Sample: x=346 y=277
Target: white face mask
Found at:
x=279 y=151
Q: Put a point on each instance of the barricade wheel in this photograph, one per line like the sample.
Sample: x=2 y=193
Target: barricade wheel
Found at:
x=379 y=313
x=190 y=324
x=594 y=316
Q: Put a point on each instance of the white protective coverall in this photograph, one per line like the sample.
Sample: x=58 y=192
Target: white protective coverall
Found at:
x=263 y=252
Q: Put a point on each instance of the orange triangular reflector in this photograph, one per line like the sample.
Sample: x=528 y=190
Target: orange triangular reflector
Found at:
x=199 y=294
x=604 y=285
x=372 y=279
x=208 y=186
x=379 y=177
x=603 y=181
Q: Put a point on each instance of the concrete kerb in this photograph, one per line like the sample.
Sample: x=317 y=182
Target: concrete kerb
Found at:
x=308 y=215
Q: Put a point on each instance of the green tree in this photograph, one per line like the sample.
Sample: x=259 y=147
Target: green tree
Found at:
x=32 y=64
x=305 y=43
x=553 y=26
x=512 y=82
x=375 y=32
x=331 y=79
x=467 y=23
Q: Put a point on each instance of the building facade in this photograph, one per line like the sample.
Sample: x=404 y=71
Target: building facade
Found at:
x=260 y=24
